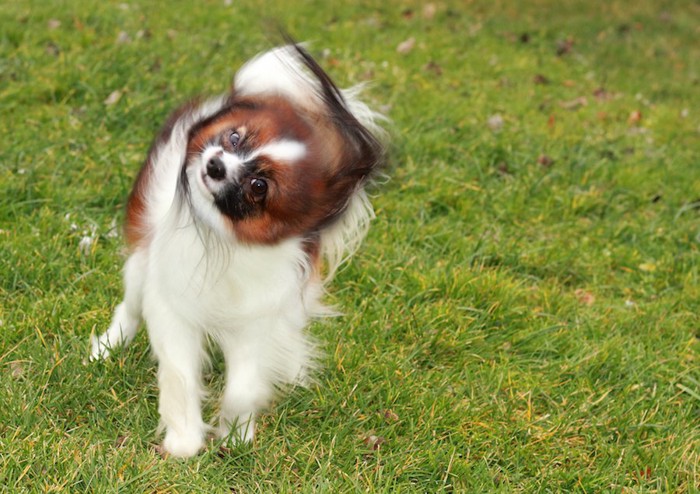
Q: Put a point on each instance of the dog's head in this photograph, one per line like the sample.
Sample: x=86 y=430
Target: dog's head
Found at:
x=285 y=154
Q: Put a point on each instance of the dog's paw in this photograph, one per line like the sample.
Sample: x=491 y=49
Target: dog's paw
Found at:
x=182 y=445
x=98 y=348
x=241 y=432
x=245 y=432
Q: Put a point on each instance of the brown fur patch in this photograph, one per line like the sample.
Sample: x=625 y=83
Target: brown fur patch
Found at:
x=135 y=227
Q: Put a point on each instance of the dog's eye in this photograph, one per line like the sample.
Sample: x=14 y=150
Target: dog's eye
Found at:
x=234 y=138
x=258 y=186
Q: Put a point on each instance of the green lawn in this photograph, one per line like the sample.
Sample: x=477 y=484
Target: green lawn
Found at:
x=523 y=316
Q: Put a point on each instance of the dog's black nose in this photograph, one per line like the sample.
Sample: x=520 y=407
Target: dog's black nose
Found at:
x=216 y=168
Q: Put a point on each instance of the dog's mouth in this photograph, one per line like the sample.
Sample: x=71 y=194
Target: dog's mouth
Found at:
x=203 y=184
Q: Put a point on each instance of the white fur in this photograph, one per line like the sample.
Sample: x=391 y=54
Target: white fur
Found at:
x=192 y=282
x=284 y=150
x=278 y=71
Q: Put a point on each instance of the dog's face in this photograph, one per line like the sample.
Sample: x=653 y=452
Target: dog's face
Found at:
x=271 y=166
x=267 y=168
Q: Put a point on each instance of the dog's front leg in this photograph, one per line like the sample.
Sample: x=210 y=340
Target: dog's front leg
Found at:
x=261 y=356
x=248 y=388
x=180 y=353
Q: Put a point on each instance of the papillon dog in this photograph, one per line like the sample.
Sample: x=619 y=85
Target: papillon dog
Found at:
x=245 y=206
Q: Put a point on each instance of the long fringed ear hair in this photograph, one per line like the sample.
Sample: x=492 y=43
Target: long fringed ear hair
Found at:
x=343 y=231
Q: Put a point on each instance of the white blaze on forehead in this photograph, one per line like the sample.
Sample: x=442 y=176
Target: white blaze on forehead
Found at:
x=285 y=150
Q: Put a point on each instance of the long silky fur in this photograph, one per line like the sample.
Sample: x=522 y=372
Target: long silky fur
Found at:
x=255 y=311
x=344 y=233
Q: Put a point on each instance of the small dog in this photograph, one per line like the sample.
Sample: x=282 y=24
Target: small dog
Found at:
x=241 y=199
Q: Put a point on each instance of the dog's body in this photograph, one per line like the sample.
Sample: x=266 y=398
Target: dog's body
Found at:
x=238 y=203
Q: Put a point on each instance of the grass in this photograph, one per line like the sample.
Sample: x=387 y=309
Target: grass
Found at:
x=523 y=316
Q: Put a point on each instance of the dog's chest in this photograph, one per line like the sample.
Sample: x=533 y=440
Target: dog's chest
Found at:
x=221 y=286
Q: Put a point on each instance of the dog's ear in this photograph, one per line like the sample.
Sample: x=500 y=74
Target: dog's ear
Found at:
x=362 y=155
x=278 y=72
x=363 y=151
x=360 y=152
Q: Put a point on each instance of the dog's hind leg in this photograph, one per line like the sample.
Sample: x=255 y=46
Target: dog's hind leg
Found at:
x=127 y=315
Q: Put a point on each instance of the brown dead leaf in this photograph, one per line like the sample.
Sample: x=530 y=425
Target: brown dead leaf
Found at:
x=433 y=67
x=406 y=46
x=574 y=104
x=374 y=442
x=540 y=79
x=429 y=11
x=635 y=118
x=584 y=297
x=503 y=169
x=160 y=451
x=510 y=36
x=156 y=65
x=52 y=49
x=224 y=451
x=367 y=75
x=113 y=98
x=545 y=161
x=495 y=122
x=17 y=369
x=390 y=415
x=601 y=94
x=564 y=46
x=623 y=29
x=123 y=38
